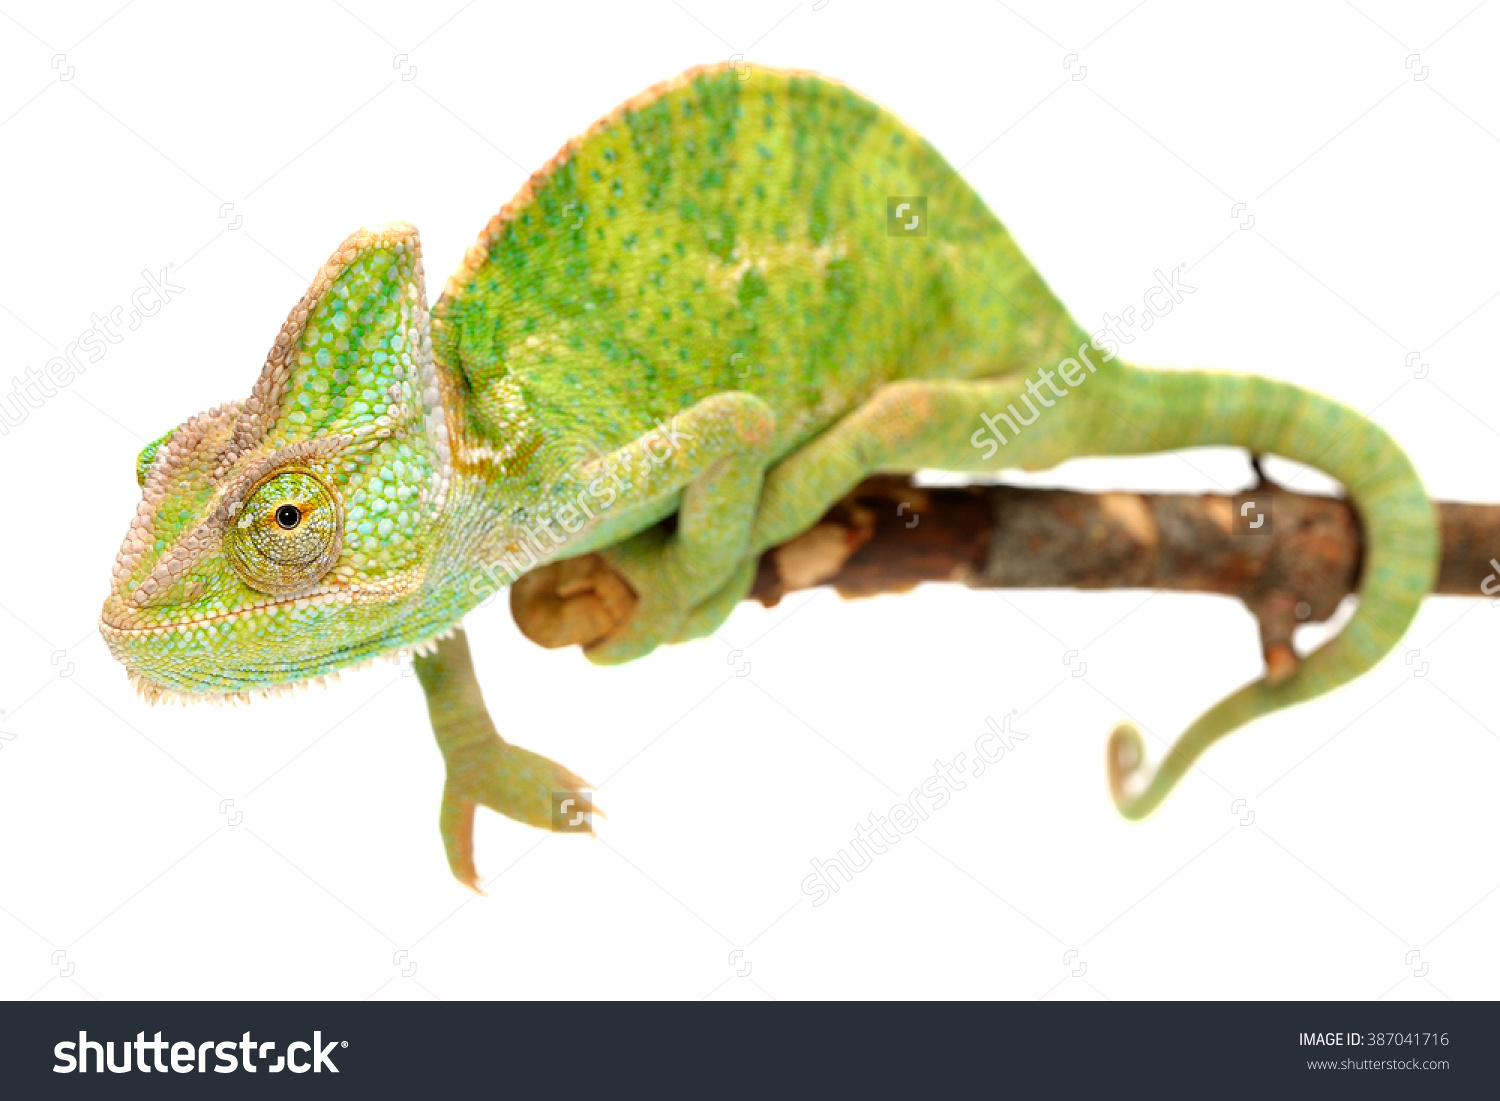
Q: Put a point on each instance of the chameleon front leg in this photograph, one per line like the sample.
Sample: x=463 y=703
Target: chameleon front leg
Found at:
x=904 y=426
x=717 y=464
x=483 y=768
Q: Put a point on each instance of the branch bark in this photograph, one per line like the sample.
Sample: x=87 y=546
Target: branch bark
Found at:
x=890 y=535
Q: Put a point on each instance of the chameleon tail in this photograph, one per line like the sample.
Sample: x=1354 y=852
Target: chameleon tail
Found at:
x=1158 y=410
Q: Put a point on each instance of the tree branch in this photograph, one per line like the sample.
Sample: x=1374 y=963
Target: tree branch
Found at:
x=890 y=536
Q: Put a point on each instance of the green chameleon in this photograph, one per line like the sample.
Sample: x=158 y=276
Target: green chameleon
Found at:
x=694 y=330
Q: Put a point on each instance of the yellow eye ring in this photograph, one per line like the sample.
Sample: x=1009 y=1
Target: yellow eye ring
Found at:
x=287 y=533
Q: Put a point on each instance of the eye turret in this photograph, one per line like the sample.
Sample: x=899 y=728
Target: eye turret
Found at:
x=287 y=534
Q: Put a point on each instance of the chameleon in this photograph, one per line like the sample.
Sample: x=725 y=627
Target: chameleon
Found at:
x=696 y=328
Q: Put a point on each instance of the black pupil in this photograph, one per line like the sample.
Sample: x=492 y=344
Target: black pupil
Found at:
x=288 y=516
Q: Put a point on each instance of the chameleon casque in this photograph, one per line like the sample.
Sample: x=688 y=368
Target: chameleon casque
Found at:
x=685 y=338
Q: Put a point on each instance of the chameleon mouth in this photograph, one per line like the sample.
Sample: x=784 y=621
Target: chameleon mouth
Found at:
x=198 y=689
x=155 y=691
x=121 y=617
x=174 y=661
x=111 y=622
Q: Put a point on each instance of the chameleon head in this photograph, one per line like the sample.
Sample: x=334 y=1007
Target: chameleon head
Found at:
x=282 y=537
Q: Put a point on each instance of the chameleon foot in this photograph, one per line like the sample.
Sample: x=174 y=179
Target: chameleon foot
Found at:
x=576 y=601
x=669 y=591
x=586 y=602
x=710 y=615
x=514 y=781
x=485 y=770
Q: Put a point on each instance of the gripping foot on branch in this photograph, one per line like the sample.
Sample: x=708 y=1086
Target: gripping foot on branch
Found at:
x=575 y=601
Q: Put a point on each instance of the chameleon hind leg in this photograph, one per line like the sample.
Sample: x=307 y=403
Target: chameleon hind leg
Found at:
x=717 y=466
x=904 y=426
x=483 y=769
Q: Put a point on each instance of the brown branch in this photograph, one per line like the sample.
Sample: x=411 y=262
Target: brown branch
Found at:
x=1004 y=537
x=890 y=536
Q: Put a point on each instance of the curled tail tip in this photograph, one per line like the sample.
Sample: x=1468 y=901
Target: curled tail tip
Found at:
x=1401 y=547
x=1128 y=774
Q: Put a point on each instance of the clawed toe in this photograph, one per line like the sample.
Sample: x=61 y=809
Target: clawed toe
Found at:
x=519 y=784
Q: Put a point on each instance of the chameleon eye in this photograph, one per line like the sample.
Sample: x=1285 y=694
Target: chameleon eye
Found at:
x=287 y=534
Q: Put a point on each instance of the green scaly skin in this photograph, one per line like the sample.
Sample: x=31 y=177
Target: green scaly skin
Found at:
x=697 y=308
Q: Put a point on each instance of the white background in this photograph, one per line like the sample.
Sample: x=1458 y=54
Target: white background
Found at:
x=1373 y=197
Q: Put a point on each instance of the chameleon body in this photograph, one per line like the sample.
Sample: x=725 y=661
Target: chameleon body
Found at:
x=702 y=312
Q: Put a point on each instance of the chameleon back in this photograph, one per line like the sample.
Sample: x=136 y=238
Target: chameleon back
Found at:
x=731 y=231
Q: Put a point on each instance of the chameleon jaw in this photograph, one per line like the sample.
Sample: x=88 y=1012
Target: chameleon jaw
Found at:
x=145 y=648
x=154 y=692
x=315 y=596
